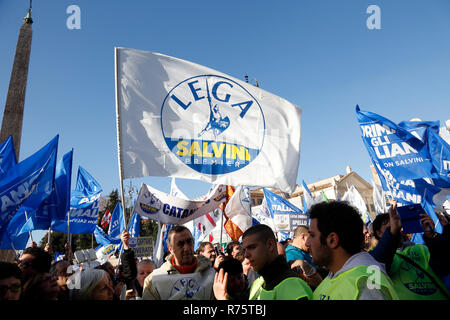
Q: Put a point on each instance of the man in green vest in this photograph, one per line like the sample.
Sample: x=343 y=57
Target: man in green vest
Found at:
x=277 y=281
x=408 y=266
x=336 y=240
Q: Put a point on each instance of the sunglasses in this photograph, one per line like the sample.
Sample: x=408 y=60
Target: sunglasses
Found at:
x=13 y=288
x=24 y=263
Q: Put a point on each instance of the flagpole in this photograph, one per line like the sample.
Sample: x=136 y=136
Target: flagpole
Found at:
x=221 y=228
x=49 y=233
x=122 y=195
x=69 y=239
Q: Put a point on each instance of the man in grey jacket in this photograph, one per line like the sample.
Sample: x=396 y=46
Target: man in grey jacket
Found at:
x=183 y=275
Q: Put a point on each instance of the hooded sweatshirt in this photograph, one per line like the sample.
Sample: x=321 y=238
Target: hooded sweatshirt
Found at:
x=363 y=258
x=168 y=283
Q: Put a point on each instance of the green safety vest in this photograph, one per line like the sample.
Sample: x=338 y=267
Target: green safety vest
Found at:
x=413 y=277
x=345 y=285
x=288 y=289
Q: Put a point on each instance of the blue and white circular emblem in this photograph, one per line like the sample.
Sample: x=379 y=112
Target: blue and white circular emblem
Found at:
x=212 y=124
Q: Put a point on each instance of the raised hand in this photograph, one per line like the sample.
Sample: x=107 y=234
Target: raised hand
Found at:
x=220 y=285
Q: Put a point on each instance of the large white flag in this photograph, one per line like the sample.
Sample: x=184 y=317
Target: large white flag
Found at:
x=180 y=119
x=354 y=198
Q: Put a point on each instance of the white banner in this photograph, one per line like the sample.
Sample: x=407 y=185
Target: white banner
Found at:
x=180 y=119
x=165 y=208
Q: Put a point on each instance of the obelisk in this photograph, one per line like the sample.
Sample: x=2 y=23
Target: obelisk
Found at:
x=15 y=100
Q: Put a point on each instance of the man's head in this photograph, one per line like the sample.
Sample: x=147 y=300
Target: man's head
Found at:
x=260 y=246
x=236 y=280
x=181 y=244
x=380 y=224
x=233 y=248
x=10 y=281
x=59 y=270
x=207 y=250
x=335 y=231
x=144 y=268
x=300 y=237
x=34 y=260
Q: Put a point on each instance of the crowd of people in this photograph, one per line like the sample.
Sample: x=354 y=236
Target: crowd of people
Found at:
x=336 y=257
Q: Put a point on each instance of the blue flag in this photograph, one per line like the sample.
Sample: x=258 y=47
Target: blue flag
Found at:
x=117 y=223
x=134 y=226
x=277 y=204
x=12 y=235
x=403 y=156
x=55 y=207
x=286 y=215
x=440 y=157
x=84 y=205
x=104 y=239
x=30 y=181
x=7 y=156
x=395 y=148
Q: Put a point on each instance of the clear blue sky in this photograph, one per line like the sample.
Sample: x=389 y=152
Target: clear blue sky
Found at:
x=319 y=55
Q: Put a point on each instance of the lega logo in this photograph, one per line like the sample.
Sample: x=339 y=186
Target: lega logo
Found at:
x=212 y=124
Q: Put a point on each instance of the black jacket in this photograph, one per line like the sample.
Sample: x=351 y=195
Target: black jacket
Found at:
x=275 y=272
x=129 y=268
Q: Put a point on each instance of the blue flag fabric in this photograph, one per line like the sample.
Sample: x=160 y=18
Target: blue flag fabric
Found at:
x=84 y=205
x=12 y=234
x=7 y=156
x=277 y=204
x=30 y=181
x=411 y=159
x=117 y=223
x=55 y=207
x=395 y=148
x=440 y=157
x=104 y=239
x=134 y=226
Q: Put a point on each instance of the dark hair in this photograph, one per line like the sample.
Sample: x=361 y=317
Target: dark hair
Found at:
x=202 y=246
x=42 y=261
x=231 y=266
x=240 y=256
x=8 y=269
x=54 y=268
x=176 y=229
x=341 y=218
x=378 y=222
x=263 y=231
x=231 y=246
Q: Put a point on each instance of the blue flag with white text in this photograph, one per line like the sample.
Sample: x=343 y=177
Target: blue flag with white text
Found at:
x=104 y=239
x=395 y=148
x=286 y=216
x=55 y=207
x=117 y=223
x=30 y=181
x=84 y=205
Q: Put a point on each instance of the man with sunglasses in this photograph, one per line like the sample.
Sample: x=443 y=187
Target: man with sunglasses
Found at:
x=34 y=260
x=10 y=285
x=183 y=275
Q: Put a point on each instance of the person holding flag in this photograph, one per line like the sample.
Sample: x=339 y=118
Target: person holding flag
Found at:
x=410 y=268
